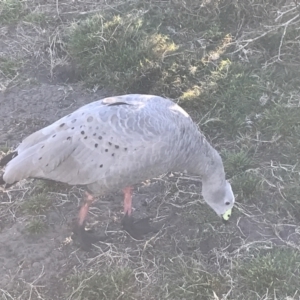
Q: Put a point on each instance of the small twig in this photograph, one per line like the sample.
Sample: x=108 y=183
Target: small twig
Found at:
x=273 y=28
x=285 y=12
x=281 y=42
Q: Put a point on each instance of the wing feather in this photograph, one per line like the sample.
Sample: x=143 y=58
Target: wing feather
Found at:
x=101 y=142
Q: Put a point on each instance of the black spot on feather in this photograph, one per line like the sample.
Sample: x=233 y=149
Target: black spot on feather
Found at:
x=100 y=137
x=96 y=145
x=54 y=135
x=62 y=125
x=100 y=166
x=85 y=137
x=82 y=132
x=106 y=150
x=68 y=138
x=117 y=147
x=109 y=143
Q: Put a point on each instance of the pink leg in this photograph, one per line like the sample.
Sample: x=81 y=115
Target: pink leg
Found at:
x=128 y=200
x=88 y=200
x=136 y=228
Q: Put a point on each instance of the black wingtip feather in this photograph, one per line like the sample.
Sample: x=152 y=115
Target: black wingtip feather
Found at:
x=6 y=159
x=118 y=103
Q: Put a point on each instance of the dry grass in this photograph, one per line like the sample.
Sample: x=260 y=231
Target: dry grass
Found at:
x=234 y=66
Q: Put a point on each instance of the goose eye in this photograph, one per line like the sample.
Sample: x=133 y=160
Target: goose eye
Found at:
x=227 y=203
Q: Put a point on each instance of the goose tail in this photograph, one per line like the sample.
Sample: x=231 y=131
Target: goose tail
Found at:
x=3 y=162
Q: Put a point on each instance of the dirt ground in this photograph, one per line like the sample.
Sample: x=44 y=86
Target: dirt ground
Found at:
x=36 y=266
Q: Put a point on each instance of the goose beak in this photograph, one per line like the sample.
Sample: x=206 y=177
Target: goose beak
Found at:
x=226 y=216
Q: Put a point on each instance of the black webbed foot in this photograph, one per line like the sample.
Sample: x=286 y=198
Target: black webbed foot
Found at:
x=85 y=237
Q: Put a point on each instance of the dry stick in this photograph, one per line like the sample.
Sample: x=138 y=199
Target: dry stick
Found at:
x=273 y=28
x=284 y=12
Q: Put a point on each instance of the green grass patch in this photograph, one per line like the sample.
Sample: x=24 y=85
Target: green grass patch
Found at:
x=141 y=49
x=118 y=51
x=36 y=18
x=236 y=162
x=291 y=193
x=43 y=186
x=11 y=11
x=246 y=185
x=280 y=120
x=36 y=226
x=188 y=279
x=4 y=149
x=109 y=285
x=233 y=89
x=36 y=204
x=275 y=273
x=9 y=67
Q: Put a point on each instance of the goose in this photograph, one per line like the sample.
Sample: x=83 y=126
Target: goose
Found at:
x=117 y=142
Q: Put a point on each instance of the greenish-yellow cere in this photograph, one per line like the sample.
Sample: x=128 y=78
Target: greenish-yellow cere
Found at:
x=227 y=214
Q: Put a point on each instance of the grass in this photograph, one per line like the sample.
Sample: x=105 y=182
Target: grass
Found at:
x=36 y=204
x=45 y=186
x=109 y=285
x=234 y=66
x=247 y=185
x=11 y=11
x=187 y=279
x=36 y=18
x=236 y=162
x=280 y=120
x=275 y=273
x=9 y=71
x=241 y=105
x=136 y=50
x=36 y=226
x=9 y=67
x=4 y=149
x=291 y=194
x=118 y=51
